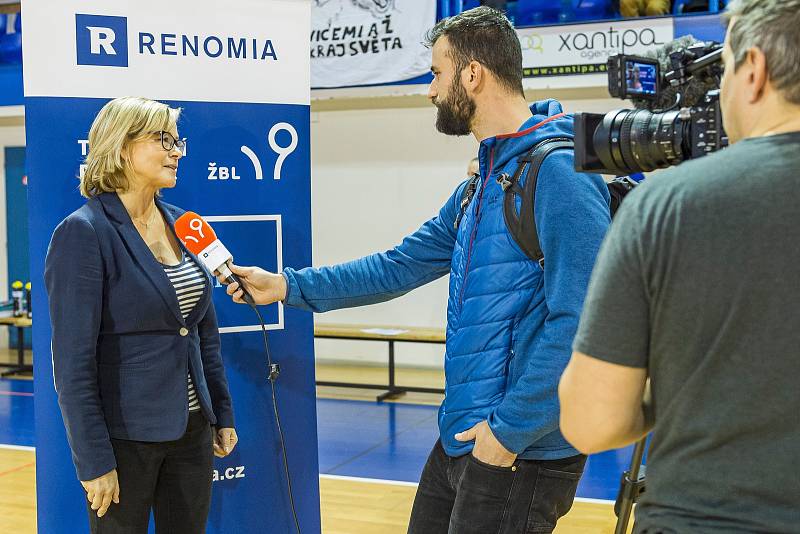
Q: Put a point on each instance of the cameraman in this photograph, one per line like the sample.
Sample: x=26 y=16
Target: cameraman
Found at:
x=696 y=288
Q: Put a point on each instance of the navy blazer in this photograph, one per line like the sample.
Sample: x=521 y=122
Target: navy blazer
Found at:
x=121 y=348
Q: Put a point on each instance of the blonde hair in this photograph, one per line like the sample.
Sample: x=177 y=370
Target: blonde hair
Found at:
x=120 y=122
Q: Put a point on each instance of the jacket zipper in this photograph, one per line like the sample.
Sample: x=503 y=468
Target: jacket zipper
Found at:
x=475 y=228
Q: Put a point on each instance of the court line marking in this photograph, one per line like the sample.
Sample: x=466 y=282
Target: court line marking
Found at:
x=18 y=468
x=17 y=447
x=335 y=477
x=415 y=484
x=16 y=393
x=369 y=480
x=593 y=501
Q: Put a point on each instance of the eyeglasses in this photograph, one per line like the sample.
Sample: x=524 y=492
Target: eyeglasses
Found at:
x=168 y=142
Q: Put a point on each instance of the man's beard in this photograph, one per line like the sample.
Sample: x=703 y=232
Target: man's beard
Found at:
x=455 y=112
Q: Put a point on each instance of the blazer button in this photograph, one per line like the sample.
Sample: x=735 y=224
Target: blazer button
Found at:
x=184 y=332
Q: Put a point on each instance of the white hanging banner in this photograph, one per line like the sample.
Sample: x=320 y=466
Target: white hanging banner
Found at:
x=365 y=42
x=585 y=48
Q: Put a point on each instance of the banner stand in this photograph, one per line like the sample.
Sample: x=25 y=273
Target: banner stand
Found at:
x=241 y=76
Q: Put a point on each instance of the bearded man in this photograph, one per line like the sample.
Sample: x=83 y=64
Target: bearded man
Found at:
x=501 y=463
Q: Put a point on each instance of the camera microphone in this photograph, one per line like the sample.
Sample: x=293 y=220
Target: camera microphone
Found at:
x=692 y=92
x=201 y=240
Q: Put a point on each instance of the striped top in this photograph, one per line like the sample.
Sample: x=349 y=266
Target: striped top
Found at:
x=189 y=281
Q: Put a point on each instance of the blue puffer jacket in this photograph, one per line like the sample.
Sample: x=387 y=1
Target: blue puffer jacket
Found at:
x=510 y=324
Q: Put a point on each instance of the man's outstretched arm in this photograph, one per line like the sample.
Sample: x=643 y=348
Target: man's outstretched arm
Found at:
x=422 y=257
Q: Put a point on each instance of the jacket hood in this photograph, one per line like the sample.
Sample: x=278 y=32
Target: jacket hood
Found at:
x=548 y=121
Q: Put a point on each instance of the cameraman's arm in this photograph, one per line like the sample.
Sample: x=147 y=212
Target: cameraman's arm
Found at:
x=422 y=257
x=602 y=404
x=572 y=216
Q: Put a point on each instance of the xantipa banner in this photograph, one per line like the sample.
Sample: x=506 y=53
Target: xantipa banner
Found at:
x=585 y=48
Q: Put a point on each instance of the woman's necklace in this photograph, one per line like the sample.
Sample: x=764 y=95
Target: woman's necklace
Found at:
x=139 y=222
x=155 y=246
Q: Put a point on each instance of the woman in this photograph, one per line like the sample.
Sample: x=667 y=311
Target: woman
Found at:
x=136 y=348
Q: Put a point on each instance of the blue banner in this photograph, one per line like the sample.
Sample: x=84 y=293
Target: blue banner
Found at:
x=247 y=171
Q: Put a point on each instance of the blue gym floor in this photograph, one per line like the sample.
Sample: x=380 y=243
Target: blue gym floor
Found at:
x=356 y=439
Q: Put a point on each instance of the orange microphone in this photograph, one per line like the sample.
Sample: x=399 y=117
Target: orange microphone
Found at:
x=201 y=240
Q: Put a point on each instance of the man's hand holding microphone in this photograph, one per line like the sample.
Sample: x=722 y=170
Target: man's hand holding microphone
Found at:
x=261 y=287
x=265 y=287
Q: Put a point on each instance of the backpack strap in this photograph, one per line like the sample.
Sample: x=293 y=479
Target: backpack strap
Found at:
x=522 y=225
x=466 y=197
x=618 y=188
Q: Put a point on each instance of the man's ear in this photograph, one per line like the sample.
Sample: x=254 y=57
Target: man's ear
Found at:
x=473 y=76
x=758 y=75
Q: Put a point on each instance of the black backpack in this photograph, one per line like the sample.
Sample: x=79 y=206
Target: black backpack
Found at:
x=522 y=225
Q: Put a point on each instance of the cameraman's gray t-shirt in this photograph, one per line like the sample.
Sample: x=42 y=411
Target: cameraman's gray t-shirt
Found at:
x=699 y=281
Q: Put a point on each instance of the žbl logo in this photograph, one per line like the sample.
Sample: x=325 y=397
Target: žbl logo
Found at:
x=102 y=40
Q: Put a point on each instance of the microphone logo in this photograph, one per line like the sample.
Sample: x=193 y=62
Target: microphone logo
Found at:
x=194 y=232
x=196 y=225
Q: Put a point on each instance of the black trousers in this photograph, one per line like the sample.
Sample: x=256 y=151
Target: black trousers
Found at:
x=465 y=496
x=172 y=478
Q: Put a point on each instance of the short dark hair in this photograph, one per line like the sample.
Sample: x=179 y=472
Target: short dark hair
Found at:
x=484 y=35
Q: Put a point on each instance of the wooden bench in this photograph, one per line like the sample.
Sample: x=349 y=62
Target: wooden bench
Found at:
x=21 y=323
x=390 y=335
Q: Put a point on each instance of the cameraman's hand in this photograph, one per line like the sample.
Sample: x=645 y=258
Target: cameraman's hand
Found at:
x=263 y=286
x=102 y=491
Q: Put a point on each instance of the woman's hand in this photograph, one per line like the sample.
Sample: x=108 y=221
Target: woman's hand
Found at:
x=102 y=491
x=225 y=439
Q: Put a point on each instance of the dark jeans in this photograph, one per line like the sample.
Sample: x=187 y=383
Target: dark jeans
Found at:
x=463 y=495
x=173 y=478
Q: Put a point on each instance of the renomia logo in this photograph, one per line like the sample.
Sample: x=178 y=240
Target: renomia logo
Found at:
x=103 y=40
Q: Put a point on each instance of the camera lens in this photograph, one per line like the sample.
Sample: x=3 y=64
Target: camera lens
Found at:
x=629 y=141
